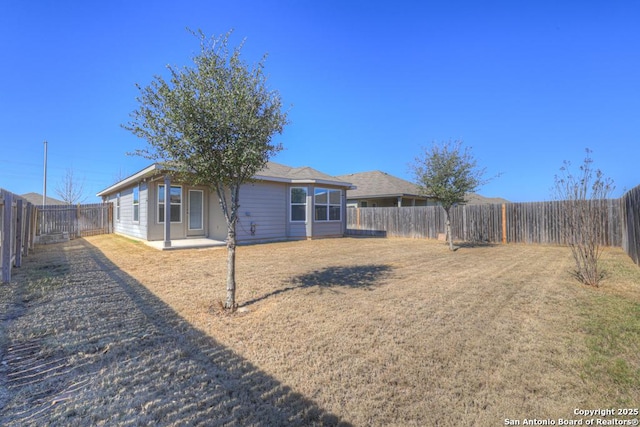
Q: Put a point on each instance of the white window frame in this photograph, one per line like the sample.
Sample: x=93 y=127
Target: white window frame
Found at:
x=328 y=205
x=201 y=209
x=135 y=196
x=118 y=207
x=161 y=192
x=292 y=204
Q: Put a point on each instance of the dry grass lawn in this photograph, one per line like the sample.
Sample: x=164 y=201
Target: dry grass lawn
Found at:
x=352 y=331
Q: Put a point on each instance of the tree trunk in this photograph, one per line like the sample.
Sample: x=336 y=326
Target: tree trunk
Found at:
x=448 y=226
x=230 y=303
x=231 y=216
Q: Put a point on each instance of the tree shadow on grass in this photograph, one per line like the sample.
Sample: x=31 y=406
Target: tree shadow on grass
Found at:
x=108 y=351
x=474 y=245
x=333 y=278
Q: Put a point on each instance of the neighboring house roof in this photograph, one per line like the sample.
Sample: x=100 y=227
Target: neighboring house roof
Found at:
x=36 y=199
x=272 y=172
x=380 y=184
x=477 y=199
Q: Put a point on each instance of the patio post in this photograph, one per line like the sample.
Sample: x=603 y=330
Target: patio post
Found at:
x=167 y=211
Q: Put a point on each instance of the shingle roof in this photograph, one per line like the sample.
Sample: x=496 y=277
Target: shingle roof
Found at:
x=277 y=170
x=272 y=172
x=36 y=199
x=477 y=199
x=379 y=184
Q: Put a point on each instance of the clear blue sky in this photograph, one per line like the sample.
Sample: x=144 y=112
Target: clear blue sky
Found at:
x=367 y=83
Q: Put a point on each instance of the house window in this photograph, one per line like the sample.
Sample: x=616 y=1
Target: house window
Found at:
x=363 y=204
x=118 y=206
x=298 y=204
x=327 y=204
x=175 y=200
x=136 y=204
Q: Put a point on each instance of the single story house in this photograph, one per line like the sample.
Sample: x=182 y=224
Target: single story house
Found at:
x=379 y=189
x=281 y=203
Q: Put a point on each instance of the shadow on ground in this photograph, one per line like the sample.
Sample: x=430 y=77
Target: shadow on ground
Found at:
x=472 y=245
x=89 y=345
x=358 y=276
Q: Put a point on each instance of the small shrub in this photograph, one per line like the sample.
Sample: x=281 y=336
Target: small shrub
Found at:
x=585 y=196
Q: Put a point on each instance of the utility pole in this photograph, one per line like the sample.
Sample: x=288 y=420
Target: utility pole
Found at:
x=44 y=192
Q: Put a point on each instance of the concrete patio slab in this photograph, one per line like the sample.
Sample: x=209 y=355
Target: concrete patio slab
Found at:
x=186 y=244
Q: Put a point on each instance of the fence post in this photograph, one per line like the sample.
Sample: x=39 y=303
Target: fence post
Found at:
x=27 y=228
x=34 y=227
x=6 y=237
x=504 y=223
x=19 y=232
x=77 y=222
x=2 y=243
x=464 y=223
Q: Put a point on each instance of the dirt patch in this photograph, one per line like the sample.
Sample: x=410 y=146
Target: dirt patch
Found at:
x=360 y=331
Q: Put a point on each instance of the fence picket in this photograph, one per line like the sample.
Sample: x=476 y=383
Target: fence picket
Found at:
x=537 y=222
x=630 y=217
x=16 y=233
x=76 y=220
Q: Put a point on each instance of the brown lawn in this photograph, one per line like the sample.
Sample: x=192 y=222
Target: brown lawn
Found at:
x=351 y=331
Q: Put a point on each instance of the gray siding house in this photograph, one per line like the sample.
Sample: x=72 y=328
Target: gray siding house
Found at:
x=282 y=203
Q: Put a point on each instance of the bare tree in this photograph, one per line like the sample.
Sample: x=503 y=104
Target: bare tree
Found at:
x=119 y=176
x=585 y=194
x=70 y=189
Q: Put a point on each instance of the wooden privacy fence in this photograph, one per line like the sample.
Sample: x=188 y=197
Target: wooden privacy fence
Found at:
x=17 y=231
x=631 y=224
x=22 y=224
x=75 y=220
x=542 y=222
x=545 y=222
